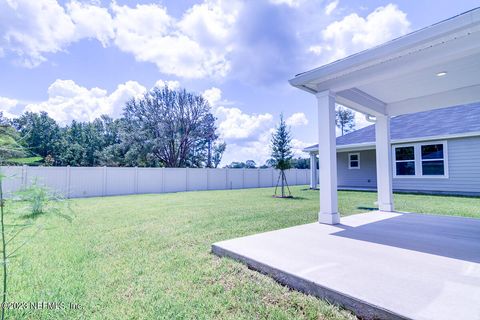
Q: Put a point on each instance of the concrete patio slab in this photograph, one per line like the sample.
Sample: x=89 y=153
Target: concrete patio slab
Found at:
x=379 y=264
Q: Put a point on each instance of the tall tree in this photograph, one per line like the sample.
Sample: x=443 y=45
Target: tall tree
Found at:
x=218 y=150
x=172 y=127
x=250 y=164
x=9 y=144
x=282 y=154
x=40 y=133
x=345 y=119
x=301 y=163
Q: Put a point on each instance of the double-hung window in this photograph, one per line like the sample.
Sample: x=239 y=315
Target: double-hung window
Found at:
x=405 y=161
x=354 y=161
x=428 y=159
x=433 y=160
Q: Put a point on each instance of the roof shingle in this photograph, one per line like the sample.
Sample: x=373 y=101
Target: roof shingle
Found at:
x=438 y=122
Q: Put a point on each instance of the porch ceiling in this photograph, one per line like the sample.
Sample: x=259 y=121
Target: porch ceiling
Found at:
x=401 y=76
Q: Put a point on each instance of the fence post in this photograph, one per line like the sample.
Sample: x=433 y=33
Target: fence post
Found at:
x=104 y=185
x=226 y=178
x=24 y=176
x=163 y=180
x=258 y=172
x=208 y=178
x=135 y=179
x=67 y=182
x=243 y=178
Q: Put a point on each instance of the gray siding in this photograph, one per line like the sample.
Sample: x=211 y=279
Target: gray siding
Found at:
x=365 y=177
x=463 y=167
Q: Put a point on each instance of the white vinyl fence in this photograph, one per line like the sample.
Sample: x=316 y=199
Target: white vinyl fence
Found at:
x=78 y=182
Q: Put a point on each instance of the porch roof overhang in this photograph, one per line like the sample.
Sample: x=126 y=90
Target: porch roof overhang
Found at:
x=406 y=75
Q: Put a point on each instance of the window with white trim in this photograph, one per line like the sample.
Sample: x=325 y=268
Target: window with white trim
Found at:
x=354 y=161
x=433 y=162
x=405 y=161
x=420 y=160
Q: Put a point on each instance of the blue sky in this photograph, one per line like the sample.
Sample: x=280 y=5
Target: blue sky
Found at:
x=80 y=59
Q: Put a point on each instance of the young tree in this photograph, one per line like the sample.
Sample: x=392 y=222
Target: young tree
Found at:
x=35 y=200
x=345 y=119
x=282 y=154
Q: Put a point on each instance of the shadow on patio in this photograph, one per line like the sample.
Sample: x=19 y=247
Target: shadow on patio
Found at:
x=451 y=237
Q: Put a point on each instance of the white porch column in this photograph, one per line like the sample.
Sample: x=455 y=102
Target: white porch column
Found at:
x=384 y=163
x=327 y=157
x=313 y=171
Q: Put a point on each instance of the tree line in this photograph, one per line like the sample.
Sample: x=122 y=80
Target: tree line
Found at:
x=164 y=128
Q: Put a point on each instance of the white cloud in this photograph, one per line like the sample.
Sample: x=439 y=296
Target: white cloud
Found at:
x=213 y=96
x=232 y=122
x=91 y=22
x=32 y=28
x=6 y=105
x=297 y=119
x=257 y=149
x=209 y=22
x=290 y=3
x=298 y=146
x=195 y=46
x=171 y=84
x=235 y=124
x=354 y=33
x=151 y=35
x=331 y=7
x=69 y=101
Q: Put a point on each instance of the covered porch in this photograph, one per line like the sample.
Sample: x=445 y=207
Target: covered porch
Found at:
x=432 y=68
x=383 y=264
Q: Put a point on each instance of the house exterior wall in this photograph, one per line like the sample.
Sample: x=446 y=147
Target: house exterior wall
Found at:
x=365 y=177
x=463 y=171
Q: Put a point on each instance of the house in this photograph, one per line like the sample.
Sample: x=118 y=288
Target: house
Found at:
x=434 y=151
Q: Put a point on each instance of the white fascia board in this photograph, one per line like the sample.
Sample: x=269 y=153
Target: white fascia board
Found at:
x=393 y=49
x=371 y=145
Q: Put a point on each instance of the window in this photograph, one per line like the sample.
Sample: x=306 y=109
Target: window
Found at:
x=420 y=160
x=405 y=161
x=354 y=161
x=433 y=163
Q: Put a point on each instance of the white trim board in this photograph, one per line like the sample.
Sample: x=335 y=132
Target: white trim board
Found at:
x=371 y=145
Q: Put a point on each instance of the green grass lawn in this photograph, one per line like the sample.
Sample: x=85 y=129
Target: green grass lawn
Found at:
x=148 y=256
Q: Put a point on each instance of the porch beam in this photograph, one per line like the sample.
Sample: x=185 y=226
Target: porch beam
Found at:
x=384 y=163
x=360 y=101
x=327 y=157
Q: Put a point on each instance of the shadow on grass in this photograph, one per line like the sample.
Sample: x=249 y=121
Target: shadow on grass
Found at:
x=290 y=198
x=367 y=208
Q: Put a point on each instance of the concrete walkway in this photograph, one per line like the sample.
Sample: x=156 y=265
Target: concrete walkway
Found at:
x=378 y=264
